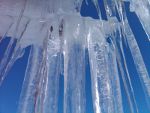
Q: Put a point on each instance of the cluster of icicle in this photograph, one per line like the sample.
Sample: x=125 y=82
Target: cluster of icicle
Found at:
x=59 y=36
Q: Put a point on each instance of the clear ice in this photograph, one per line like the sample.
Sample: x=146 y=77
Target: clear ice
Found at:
x=59 y=37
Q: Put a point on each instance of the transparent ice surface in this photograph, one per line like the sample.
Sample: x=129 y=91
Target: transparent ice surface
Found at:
x=58 y=36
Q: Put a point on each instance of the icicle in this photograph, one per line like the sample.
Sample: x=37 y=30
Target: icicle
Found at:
x=121 y=60
x=105 y=86
x=12 y=17
x=92 y=58
x=114 y=76
x=110 y=10
x=4 y=62
x=46 y=75
x=53 y=63
x=139 y=63
x=31 y=88
x=138 y=60
x=12 y=53
x=9 y=59
x=74 y=69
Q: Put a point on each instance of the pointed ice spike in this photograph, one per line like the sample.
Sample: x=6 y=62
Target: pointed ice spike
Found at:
x=13 y=50
x=4 y=62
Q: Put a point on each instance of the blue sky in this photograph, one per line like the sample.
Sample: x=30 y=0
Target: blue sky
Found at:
x=11 y=88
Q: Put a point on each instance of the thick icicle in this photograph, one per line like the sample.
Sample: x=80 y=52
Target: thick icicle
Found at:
x=111 y=12
x=114 y=77
x=102 y=79
x=125 y=74
x=135 y=51
x=139 y=63
x=74 y=69
x=31 y=88
x=53 y=63
x=44 y=74
x=105 y=85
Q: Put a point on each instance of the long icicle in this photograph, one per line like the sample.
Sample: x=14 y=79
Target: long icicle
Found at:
x=30 y=91
x=137 y=57
x=53 y=63
x=125 y=74
x=139 y=63
x=74 y=69
x=111 y=12
x=102 y=82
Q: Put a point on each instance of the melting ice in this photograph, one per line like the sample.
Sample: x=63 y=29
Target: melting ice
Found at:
x=59 y=37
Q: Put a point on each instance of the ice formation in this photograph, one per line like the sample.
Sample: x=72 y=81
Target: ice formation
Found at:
x=59 y=36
